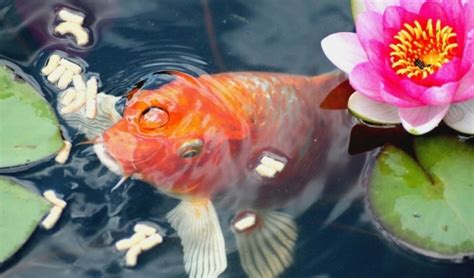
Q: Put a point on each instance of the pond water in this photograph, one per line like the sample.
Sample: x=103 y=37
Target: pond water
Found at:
x=132 y=39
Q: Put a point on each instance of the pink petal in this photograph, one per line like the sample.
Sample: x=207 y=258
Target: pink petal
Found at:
x=372 y=111
x=403 y=92
x=369 y=27
x=421 y=120
x=434 y=11
x=393 y=20
x=366 y=80
x=460 y=117
x=468 y=55
x=413 y=6
x=440 y=95
x=380 y=5
x=466 y=87
x=344 y=50
x=449 y=72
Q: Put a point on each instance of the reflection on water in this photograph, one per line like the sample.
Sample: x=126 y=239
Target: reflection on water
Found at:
x=133 y=39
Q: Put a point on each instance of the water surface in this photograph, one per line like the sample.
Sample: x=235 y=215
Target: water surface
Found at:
x=132 y=39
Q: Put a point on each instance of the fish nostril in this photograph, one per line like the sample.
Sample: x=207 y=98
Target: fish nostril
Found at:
x=120 y=105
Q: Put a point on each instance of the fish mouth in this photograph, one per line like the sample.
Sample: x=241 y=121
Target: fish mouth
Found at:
x=107 y=159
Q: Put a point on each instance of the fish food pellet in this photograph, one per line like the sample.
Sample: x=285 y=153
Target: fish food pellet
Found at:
x=131 y=256
x=51 y=64
x=52 y=218
x=52 y=198
x=123 y=244
x=275 y=164
x=245 y=223
x=56 y=74
x=91 y=98
x=144 y=229
x=76 y=104
x=63 y=154
x=68 y=96
x=150 y=242
x=265 y=171
x=71 y=16
x=80 y=34
x=73 y=67
x=65 y=79
x=79 y=84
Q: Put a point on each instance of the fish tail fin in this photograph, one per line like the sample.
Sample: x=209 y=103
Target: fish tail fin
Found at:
x=265 y=240
x=201 y=237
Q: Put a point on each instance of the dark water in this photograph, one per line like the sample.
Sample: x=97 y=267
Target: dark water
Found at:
x=132 y=39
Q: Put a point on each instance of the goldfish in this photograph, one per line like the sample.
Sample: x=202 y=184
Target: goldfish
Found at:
x=195 y=137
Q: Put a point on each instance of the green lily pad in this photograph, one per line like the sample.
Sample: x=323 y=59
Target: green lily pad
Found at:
x=29 y=129
x=21 y=210
x=427 y=203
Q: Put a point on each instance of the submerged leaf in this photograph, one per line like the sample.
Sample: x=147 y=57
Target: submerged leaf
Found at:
x=29 y=129
x=427 y=204
x=20 y=212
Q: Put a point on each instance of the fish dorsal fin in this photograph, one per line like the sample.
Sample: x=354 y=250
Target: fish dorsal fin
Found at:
x=201 y=236
x=266 y=241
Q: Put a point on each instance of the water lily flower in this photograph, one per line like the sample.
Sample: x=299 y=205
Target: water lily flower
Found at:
x=410 y=61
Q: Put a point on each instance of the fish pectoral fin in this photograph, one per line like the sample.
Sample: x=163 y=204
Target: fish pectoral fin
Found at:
x=265 y=240
x=201 y=237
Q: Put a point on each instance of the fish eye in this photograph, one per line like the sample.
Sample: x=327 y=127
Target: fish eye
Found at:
x=153 y=118
x=190 y=149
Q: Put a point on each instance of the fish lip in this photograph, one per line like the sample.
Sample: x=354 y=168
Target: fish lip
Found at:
x=106 y=158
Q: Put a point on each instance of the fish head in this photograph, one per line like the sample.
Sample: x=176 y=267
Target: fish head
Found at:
x=175 y=137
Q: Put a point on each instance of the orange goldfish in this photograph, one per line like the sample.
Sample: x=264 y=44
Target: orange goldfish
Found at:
x=197 y=136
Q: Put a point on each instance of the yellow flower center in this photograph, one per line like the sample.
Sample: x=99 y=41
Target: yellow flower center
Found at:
x=418 y=52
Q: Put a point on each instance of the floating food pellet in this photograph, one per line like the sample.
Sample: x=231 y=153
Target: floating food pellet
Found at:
x=52 y=218
x=75 y=68
x=76 y=104
x=144 y=229
x=52 y=198
x=51 y=64
x=80 y=34
x=150 y=242
x=65 y=79
x=71 y=16
x=68 y=96
x=56 y=74
x=265 y=171
x=123 y=244
x=129 y=242
x=131 y=256
x=246 y=222
x=273 y=163
x=137 y=237
x=63 y=154
x=91 y=98
x=79 y=84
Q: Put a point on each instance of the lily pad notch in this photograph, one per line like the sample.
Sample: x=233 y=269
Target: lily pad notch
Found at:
x=427 y=203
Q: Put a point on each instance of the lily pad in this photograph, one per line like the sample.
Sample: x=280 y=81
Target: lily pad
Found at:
x=29 y=129
x=427 y=203
x=21 y=210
